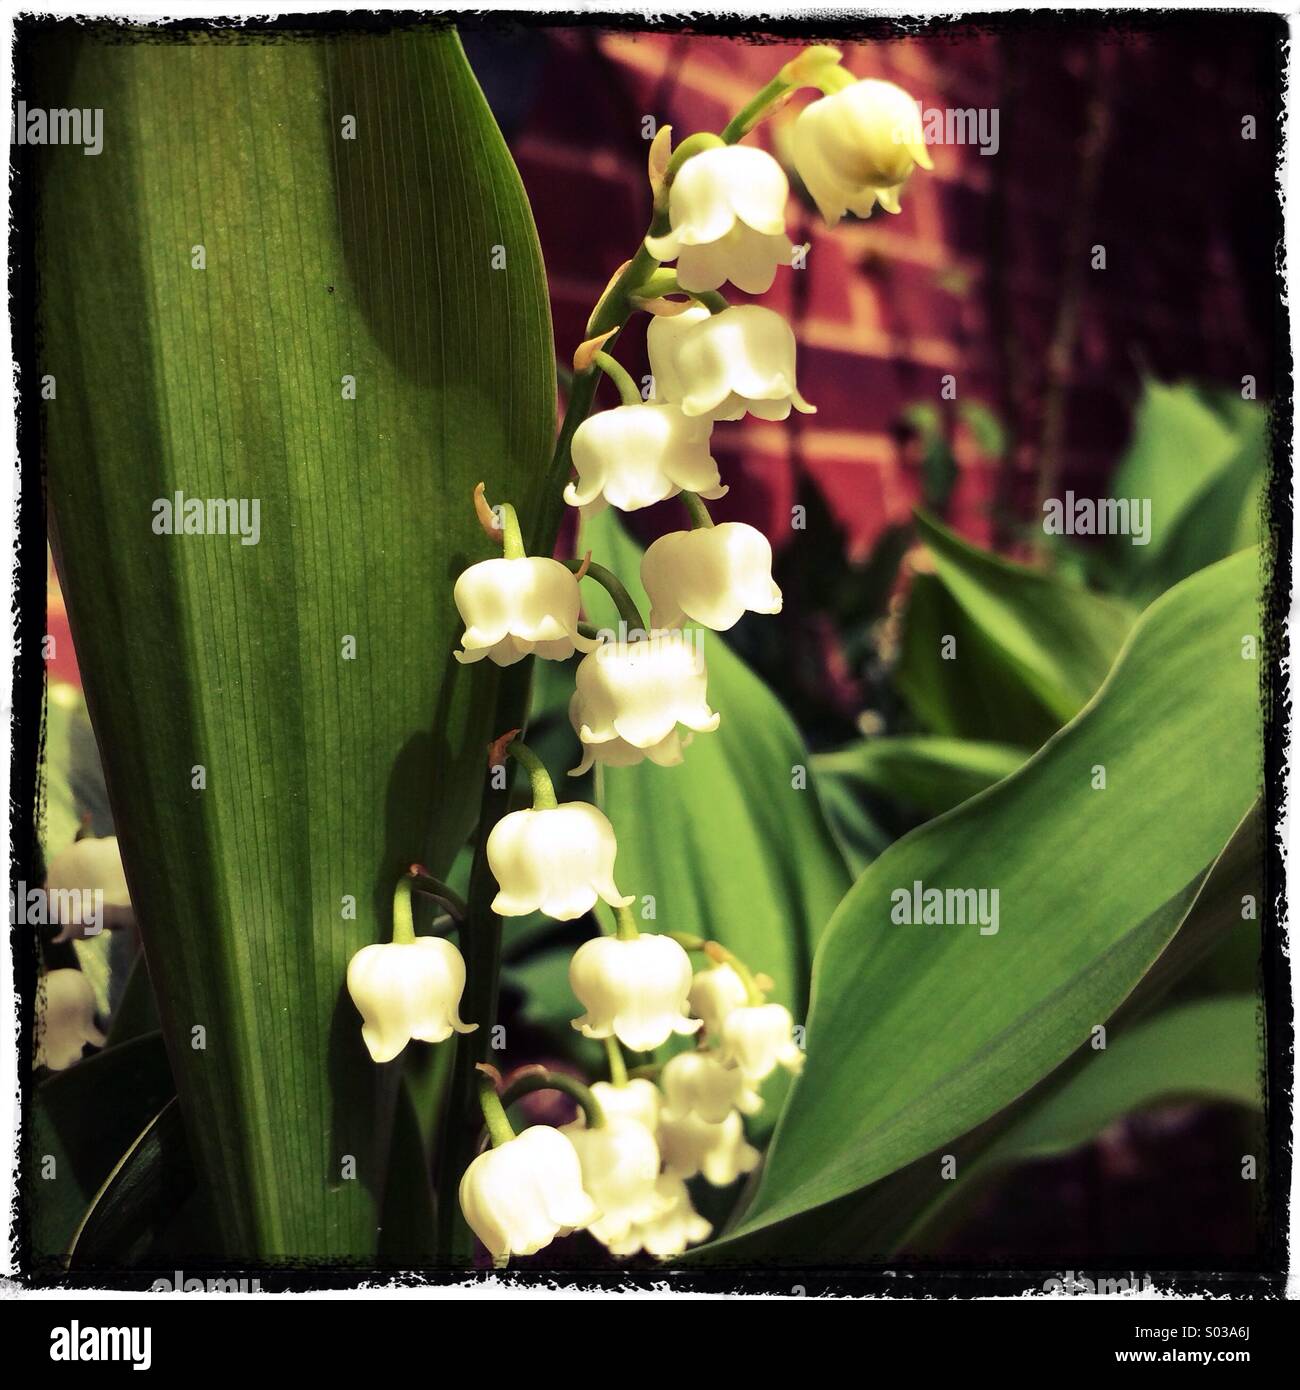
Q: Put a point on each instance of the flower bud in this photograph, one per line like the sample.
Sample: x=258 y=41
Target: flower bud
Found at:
x=519 y=1196
x=405 y=990
x=710 y=576
x=858 y=147
x=620 y=1166
x=722 y=365
x=757 y=1039
x=715 y=992
x=514 y=607
x=726 y=209
x=697 y=1083
x=639 y=692
x=632 y=990
x=676 y=1225
x=558 y=861
x=690 y=1145
x=636 y=455
x=65 y=1019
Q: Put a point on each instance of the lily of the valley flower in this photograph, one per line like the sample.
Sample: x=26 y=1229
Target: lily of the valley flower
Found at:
x=634 y=990
x=715 y=992
x=620 y=1166
x=558 y=860
x=697 y=1083
x=722 y=365
x=759 y=1038
x=690 y=1145
x=615 y=752
x=637 y=1100
x=726 y=209
x=87 y=866
x=519 y=1196
x=676 y=1225
x=65 y=1019
x=405 y=990
x=638 y=692
x=635 y=455
x=517 y=606
x=710 y=576
x=857 y=147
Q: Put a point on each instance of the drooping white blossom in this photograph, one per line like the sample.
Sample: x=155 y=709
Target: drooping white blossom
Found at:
x=620 y=1167
x=690 y=1145
x=698 y=1083
x=726 y=210
x=715 y=992
x=759 y=1038
x=637 y=1099
x=615 y=752
x=89 y=866
x=557 y=860
x=65 y=1019
x=676 y=1225
x=519 y=606
x=519 y=1196
x=635 y=991
x=405 y=990
x=711 y=576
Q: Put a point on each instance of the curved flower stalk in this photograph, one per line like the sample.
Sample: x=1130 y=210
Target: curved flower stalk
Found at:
x=722 y=365
x=726 y=209
x=65 y=1019
x=636 y=455
x=711 y=576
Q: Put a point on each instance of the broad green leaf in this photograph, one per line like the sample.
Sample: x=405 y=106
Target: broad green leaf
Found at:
x=930 y=774
x=918 y=1033
x=310 y=675
x=729 y=844
x=81 y=1123
x=1060 y=639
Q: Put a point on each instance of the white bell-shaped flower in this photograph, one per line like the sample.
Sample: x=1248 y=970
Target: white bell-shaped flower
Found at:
x=715 y=992
x=711 y=576
x=641 y=691
x=697 y=1083
x=636 y=455
x=632 y=990
x=615 y=752
x=558 y=861
x=513 y=607
x=722 y=365
x=726 y=209
x=637 y=1099
x=65 y=1019
x=88 y=867
x=676 y=1225
x=405 y=990
x=620 y=1166
x=520 y=1195
x=759 y=1038
x=690 y=1145
x=857 y=147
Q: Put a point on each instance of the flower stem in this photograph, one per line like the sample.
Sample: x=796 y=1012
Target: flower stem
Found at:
x=539 y=1079
x=403 y=915
x=543 y=787
x=617 y=1066
x=494 y=1112
x=512 y=539
x=761 y=106
x=613 y=586
x=615 y=371
x=711 y=299
x=627 y=928
x=440 y=893
x=686 y=941
x=699 y=513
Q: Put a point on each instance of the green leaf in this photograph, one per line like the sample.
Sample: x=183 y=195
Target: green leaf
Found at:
x=918 y=1033
x=405 y=259
x=930 y=774
x=1060 y=639
x=81 y=1123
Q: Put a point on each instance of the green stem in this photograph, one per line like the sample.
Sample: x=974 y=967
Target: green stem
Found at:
x=617 y=1066
x=613 y=586
x=512 y=539
x=543 y=787
x=686 y=941
x=662 y=282
x=627 y=928
x=699 y=513
x=749 y=115
x=439 y=892
x=403 y=914
x=648 y=1071
x=711 y=299
x=543 y=1080
x=615 y=371
x=494 y=1112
